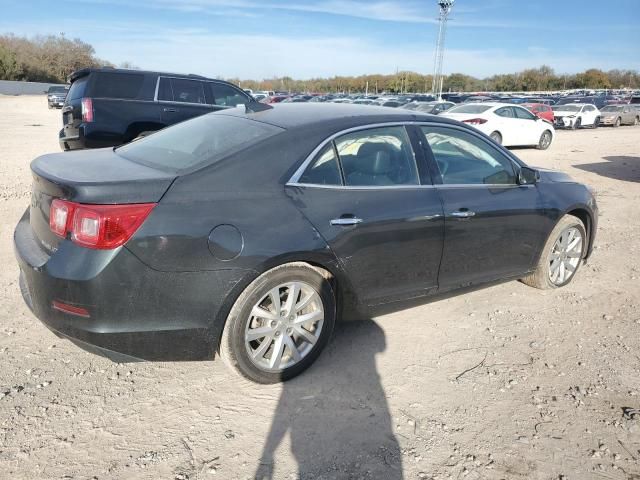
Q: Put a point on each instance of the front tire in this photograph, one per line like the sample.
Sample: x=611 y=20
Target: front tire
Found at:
x=545 y=140
x=561 y=255
x=596 y=122
x=617 y=122
x=578 y=123
x=279 y=324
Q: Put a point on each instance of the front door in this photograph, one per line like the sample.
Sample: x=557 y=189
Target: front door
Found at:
x=492 y=224
x=364 y=194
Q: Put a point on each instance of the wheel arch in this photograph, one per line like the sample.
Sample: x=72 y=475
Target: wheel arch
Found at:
x=136 y=128
x=325 y=263
x=585 y=216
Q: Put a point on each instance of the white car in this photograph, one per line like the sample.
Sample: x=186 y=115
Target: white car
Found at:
x=576 y=115
x=507 y=124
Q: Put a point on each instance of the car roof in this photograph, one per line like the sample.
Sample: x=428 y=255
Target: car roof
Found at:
x=303 y=114
x=86 y=71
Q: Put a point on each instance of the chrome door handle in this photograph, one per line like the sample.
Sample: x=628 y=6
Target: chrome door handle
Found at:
x=465 y=214
x=345 y=221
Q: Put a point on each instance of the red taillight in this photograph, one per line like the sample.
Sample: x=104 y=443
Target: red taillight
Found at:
x=71 y=309
x=87 y=110
x=97 y=226
x=475 y=121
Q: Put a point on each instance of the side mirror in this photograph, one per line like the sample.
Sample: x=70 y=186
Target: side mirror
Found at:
x=528 y=176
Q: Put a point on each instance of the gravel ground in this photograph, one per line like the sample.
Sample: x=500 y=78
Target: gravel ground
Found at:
x=508 y=382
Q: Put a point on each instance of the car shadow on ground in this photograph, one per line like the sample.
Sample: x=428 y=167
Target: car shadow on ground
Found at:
x=336 y=414
x=625 y=167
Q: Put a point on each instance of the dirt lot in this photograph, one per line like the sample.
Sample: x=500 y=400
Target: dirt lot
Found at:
x=548 y=374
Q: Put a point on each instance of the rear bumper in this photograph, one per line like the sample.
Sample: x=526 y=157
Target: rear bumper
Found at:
x=135 y=312
x=90 y=135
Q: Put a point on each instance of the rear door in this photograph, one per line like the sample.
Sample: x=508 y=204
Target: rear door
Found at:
x=370 y=197
x=528 y=125
x=181 y=99
x=509 y=126
x=492 y=225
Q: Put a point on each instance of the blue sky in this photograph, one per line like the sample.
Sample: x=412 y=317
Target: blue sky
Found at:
x=303 y=39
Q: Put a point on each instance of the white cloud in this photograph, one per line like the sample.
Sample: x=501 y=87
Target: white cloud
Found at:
x=263 y=56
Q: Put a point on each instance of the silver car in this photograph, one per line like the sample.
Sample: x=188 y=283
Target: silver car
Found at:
x=617 y=115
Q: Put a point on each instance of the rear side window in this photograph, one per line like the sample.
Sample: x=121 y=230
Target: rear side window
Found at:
x=324 y=170
x=77 y=88
x=117 y=85
x=227 y=96
x=523 y=114
x=187 y=91
x=377 y=157
x=505 y=112
x=199 y=141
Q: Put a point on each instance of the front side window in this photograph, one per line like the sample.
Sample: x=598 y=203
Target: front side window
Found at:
x=377 y=157
x=324 y=170
x=464 y=159
x=227 y=96
x=187 y=91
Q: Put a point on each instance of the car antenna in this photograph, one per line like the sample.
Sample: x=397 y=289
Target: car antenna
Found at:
x=255 y=107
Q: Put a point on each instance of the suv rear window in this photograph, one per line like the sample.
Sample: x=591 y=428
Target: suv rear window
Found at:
x=77 y=88
x=199 y=141
x=116 y=85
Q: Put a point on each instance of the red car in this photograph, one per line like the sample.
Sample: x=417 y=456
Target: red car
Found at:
x=540 y=110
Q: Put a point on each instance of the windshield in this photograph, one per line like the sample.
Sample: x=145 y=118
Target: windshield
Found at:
x=57 y=90
x=611 y=108
x=566 y=108
x=471 y=108
x=202 y=140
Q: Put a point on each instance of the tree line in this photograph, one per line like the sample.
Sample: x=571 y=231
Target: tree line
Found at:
x=44 y=58
x=52 y=58
x=543 y=78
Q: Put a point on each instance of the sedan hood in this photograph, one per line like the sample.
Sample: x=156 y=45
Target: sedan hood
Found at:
x=554 y=176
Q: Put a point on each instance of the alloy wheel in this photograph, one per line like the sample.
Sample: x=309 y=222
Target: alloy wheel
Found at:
x=545 y=141
x=284 y=326
x=565 y=255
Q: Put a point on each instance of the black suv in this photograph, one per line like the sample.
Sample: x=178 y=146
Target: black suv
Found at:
x=107 y=107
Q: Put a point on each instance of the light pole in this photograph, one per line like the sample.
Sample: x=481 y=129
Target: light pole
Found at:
x=445 y=9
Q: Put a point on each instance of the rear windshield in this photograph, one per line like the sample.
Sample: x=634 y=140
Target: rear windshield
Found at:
x=77 y=88
x=116 y=85
x=200 y=141
x=57 y=90
x=471 y=108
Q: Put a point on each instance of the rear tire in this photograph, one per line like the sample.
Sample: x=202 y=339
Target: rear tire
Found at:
x=545 y=140
x=249 y=341
x=636 y=120
x=554 y=261
x=496 y=137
